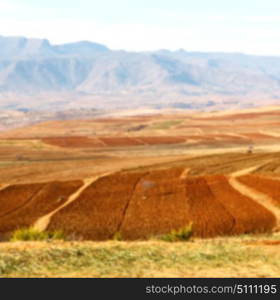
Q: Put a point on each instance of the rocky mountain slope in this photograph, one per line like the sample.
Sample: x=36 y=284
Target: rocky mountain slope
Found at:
x=37 y=75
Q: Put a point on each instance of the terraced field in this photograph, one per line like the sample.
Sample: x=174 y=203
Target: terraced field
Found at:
x=140 y=204
x=141 y=177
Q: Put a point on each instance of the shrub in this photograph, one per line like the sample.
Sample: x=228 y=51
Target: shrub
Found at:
x=31 y=234
x=183 y=234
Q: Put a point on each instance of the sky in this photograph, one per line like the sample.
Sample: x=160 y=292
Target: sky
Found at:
x=247 y=26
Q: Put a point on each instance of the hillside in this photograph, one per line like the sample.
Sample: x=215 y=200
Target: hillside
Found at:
x=142 y=179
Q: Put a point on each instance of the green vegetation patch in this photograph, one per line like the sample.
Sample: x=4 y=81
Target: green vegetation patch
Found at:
x=31 y=234
x=166 y=124
x=183 y=234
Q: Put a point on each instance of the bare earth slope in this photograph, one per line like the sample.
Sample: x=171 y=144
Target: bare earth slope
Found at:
x=143 y=176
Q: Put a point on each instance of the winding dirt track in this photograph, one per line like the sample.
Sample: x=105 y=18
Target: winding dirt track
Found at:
x=42 y=223
x=245 y=171
x=262 y=199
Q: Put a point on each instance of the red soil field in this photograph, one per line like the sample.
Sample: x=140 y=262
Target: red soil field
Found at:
x=158 y=205
x=220 y=138
x=120 y=141
x=85 y=142
x=98 y=212
x=158 y=140
x=249 y=216
x=16 y=196
x=257 y=136
x=49 y=197
x=209 y=216
x=141 y=205
x=73 y=142
x=268 y=186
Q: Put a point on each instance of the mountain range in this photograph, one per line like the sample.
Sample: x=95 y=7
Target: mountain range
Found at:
x=36 y=75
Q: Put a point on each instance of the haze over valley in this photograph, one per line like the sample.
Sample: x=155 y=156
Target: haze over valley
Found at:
x=36 y=75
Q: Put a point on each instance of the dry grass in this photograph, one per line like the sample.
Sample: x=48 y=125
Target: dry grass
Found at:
x=223 y=257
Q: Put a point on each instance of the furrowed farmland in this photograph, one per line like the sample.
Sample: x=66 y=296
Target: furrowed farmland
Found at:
x=138 y=205
x=206 y=177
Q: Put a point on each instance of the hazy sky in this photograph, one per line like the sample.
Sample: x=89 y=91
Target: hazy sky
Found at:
x=250 y=26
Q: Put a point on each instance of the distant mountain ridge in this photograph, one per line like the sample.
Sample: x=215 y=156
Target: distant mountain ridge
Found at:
x=35 y=74
x=21 y=47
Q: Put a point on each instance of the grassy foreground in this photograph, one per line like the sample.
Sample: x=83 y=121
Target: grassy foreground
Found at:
x=247 y=256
